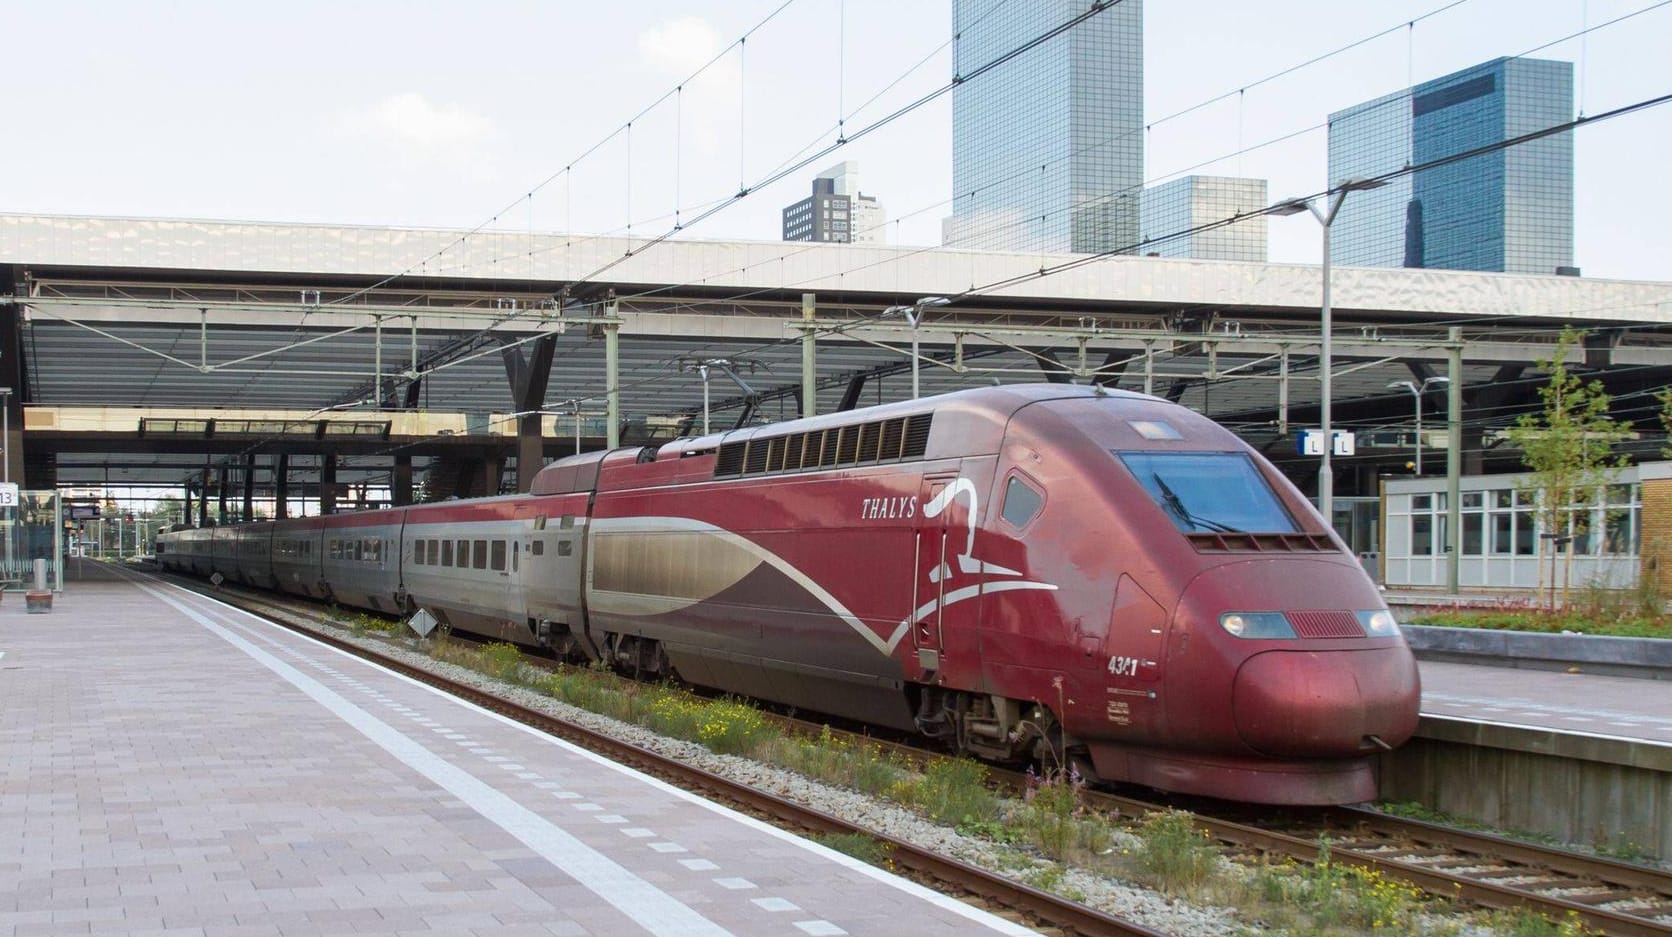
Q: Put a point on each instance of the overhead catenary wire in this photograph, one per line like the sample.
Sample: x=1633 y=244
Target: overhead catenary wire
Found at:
x=568 y=168
x=676 y=218
x=1469 y=154
x=1238 y=153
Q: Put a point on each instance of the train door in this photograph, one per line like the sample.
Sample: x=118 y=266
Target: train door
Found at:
x=938 y=517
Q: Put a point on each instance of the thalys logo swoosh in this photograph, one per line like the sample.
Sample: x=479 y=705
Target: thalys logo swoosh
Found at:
x=642 y=542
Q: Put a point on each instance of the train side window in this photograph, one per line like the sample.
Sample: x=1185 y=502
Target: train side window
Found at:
x=537 y=548
x=480 y=555
x=514 y=549
x=497 y=556
x=463 y=554
x=564 y=548
x=447 y=553
x=1021 y=502
x=567 y=522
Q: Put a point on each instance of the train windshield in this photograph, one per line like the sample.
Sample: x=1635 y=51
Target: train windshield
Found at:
x=1210 y=491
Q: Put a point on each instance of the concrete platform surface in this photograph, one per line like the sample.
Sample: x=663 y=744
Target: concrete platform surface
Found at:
x=1589 y=704
x=171 y=767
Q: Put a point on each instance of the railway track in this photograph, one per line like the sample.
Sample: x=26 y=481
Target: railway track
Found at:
x=1606 y=896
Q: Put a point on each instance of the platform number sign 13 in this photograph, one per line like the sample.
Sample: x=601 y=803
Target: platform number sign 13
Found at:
x=8 y=495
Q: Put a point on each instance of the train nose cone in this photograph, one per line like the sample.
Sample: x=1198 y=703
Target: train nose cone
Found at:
x=1326 y=703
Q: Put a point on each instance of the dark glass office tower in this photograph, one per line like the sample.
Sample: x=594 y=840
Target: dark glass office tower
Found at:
x=1510 y=210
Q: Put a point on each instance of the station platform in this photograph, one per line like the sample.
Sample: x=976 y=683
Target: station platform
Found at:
x=170 y=766
x=1585 y=703
x=1583 y=757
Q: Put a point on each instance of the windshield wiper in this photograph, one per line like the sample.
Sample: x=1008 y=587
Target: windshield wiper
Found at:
x=1174 y=503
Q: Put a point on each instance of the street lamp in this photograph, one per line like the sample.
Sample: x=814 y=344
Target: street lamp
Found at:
x=1418 y=391
x=6 y=433
x=1294 y=206
x=913 y=314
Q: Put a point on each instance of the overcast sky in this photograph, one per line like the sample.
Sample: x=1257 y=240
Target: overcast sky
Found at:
x=397 y=112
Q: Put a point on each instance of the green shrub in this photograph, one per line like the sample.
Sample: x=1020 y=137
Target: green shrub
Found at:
x=953 y=790
x=1175 y=854
x=862 y=766
x=502 y=661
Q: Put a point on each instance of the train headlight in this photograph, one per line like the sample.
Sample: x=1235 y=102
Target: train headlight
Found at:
x=1257 y=624
x=1378 y=622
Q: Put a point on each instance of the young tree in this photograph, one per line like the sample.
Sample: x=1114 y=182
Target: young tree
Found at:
x=1568 y=447
x=1665 y=398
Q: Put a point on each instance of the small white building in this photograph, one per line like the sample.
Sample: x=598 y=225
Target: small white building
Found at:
x=1501 y=543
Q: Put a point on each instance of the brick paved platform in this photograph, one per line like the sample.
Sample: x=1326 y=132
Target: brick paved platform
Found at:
x=170 y=766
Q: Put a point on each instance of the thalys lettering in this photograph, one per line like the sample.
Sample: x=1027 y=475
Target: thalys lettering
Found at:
x=887 y=508
x=1004 y=616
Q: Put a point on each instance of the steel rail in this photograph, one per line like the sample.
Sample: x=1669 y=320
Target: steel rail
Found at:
x=1622 y=875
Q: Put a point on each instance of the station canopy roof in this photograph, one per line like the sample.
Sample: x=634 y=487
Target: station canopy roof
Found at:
x=169 y=319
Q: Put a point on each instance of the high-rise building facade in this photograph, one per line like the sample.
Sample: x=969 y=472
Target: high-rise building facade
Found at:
x=1047 y=148
x=1508 y=210
x=836 y=211
x=1173 y=211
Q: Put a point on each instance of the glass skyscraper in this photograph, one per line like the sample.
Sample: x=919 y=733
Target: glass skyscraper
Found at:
x=1510 y=210
x=1173 y=210
x=1047 y=148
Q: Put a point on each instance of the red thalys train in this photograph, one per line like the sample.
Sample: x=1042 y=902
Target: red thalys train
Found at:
x=1034 y=571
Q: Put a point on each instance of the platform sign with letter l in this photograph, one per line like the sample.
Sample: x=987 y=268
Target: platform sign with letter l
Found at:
x=1312 y=442
x=8 y=495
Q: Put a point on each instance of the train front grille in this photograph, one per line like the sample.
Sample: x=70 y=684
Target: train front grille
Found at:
x=1326 y=624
